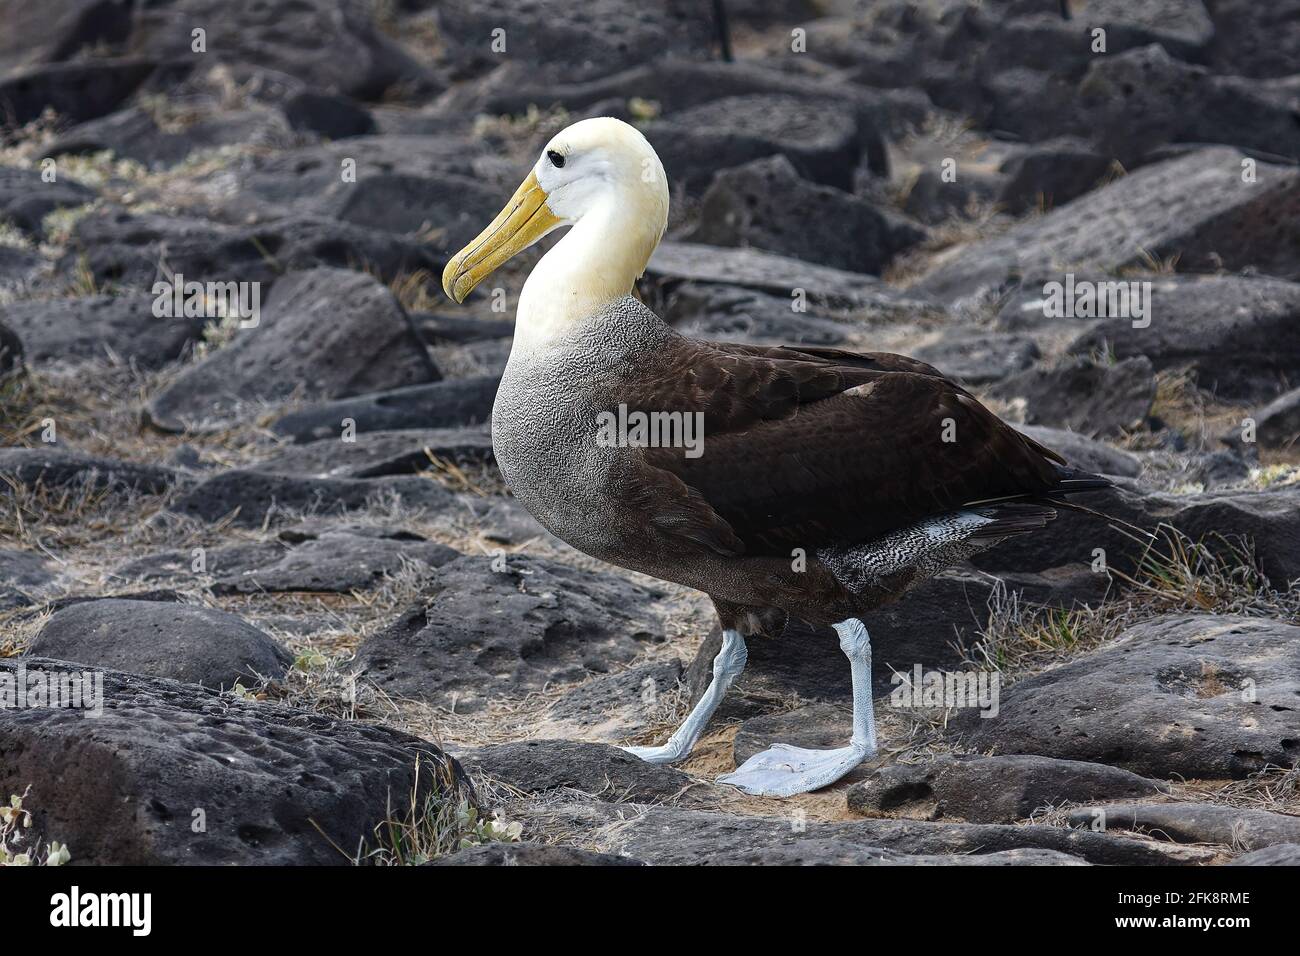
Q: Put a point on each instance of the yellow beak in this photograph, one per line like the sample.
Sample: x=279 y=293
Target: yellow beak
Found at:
x=525 y=219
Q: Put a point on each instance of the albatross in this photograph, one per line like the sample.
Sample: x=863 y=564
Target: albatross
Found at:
x=822 y=483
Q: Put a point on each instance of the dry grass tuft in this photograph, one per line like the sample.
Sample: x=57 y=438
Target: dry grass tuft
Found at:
x=1216 y=574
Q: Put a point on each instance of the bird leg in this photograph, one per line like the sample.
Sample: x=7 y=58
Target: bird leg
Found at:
x=726 y=668
x=784 y=770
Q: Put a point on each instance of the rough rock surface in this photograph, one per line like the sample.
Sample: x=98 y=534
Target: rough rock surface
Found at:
x=1185 y=695
x=254 y=498
x=446 y=404
x=518 y=626
x=765 y=204
x=99 y=327
x=1085 y=396
x=991 y=789
x=326 y=334
x=312 y=557
x=531 y=854
x=175 y=773
x=614 y=706
x=375 y=454
x=1195 y=206
x=665 y=836
x=536 y=766
x=177 y=641
x=1241 y=336
x=1194 y=823
x=56 y=468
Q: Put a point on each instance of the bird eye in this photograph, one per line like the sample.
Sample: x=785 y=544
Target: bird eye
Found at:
x=557 y=159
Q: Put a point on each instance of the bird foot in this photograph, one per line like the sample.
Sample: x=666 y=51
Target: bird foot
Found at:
x=663 y=754
x=784 y=770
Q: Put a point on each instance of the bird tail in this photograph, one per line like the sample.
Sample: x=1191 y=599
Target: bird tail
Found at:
x=1072 y=481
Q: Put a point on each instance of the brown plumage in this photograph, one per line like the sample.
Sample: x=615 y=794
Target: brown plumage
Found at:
x=810 y=448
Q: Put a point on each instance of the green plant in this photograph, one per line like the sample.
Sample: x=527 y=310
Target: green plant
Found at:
x=15 y=819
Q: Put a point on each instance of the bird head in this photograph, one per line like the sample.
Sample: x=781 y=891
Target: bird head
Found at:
x=599 y=167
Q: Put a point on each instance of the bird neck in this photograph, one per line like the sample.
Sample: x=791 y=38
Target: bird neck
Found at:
x=595 y=263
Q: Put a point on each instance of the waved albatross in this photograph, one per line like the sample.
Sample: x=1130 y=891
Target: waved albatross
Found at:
x=822 y=483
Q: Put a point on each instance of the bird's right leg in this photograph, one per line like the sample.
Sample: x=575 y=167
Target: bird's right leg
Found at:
x=726 y=668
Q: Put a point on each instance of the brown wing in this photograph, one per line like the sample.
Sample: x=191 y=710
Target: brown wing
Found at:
x=803 y=447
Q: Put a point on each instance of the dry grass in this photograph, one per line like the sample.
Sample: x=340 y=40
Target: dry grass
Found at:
x=1174 y=574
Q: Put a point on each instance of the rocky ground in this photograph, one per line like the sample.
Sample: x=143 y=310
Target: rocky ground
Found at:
x=327 y=632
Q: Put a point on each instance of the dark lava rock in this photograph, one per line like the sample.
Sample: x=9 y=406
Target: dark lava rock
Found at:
x=602 y=36
x=537 y=766
x=58 y=29
x=347 y=54
x=453 y=329
x=1278 y=422
x=309 y=180
x=1185 y=695
x=76 y=91
x=334 y=117
x=1194 y=823
x=322 y=557
x=11 y=351
x=174 y=773
x=1281 y=854
x=922 y=628
x=614 y=706
x=1083 y=395
x=447 y=211
x=123 y=249
x=375 y=454
x=445 y=404
x=486 y=632
x=823 y=142
x=55 y=468
x=195 y=644
x=730 y=314
x=24 y=569
x=991 y=789
x=782 y=276
x=979 y=358
x=21 y=270
x=1241 y=336
x=133 y=133
x=1254 y=39
x=668 y=836
x=1195 y=206
x=767 y=205
x=1140 y=99
x=677 y=84
x=531 y=854
x=26 y=199
x=1050 y=174
x=97 y=326
x=328 y=333
x=253 y=498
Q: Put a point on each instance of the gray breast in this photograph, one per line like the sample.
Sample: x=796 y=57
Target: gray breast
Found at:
x=544 y=421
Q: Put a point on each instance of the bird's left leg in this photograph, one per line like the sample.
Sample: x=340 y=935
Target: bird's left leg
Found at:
x=784 y=770
x=726 y=668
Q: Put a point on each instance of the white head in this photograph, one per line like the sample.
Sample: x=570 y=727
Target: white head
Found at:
x=599 y=176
